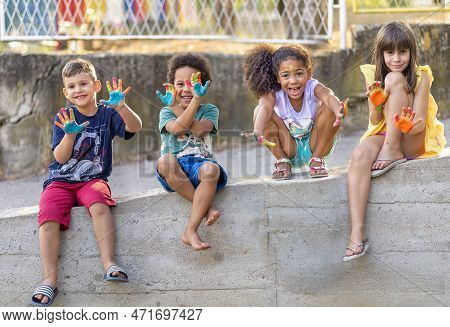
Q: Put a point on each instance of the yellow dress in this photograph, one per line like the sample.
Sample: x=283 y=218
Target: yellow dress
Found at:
x=434 y=133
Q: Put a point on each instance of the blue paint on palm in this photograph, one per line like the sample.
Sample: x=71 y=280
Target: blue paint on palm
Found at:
x=72 y=128
x=200 y=89
x=166 y=99
x=115 y=97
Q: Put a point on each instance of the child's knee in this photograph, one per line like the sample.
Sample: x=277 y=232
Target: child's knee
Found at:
x=99 y=209
x=325 y=113
x=165 y=162
x=394 y=79
x=49 y=226
x=209 y=172
x=360 y=156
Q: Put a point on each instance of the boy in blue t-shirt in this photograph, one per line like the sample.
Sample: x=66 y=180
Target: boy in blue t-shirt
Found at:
x=82 y=146
x=187 y=165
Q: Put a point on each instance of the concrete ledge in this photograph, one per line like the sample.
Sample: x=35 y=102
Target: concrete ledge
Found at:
x=277 y=244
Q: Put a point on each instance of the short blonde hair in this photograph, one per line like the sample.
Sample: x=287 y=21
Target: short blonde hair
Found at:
x=77 y=66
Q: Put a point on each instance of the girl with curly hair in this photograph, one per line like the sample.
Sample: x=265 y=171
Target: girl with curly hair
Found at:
x=295 y=112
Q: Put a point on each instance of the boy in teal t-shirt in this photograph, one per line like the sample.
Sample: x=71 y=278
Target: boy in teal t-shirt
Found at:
x=187 y=164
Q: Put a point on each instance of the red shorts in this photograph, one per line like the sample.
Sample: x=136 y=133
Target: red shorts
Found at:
x=58 y=198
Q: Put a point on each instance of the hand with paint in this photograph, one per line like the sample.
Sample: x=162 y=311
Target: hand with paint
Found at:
x=377 y=95
x=404 y=122
x=196 y=84
x=169 y=97
x=116 y=96
x=261 y=139
x=68 y=123
x=342 y=113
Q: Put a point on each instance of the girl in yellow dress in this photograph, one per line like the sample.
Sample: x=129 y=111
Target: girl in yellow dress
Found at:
x=402 y=121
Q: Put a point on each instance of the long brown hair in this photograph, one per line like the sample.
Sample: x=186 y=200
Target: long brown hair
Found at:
x=392 y=36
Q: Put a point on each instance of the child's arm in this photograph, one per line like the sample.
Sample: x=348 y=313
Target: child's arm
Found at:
x=183 y=123
x=420 y=104
x=375 y=116
x=133 y=122
x=63 y=151
x=327 y=96
x=266 y=106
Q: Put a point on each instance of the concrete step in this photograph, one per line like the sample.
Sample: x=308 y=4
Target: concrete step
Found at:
x=276 y=244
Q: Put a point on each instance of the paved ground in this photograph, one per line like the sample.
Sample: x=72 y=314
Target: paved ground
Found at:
x=242 y=160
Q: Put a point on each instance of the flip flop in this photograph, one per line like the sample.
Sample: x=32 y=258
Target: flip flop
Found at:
x=365 y=246
x=392 y=164
x=47 y=291
x=110 y=278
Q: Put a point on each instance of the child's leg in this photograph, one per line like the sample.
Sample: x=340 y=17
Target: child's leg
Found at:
x=323 y=132
x=49 y=242
x=396 y=86
x=104 y=231
x=359 y=181
x=275 y=131
x=169 y=168
x=208 y=175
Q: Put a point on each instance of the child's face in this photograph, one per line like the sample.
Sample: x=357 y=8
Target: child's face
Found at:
x=80 y=89
x=293 y=76
x=397 y=60
x=184 y=92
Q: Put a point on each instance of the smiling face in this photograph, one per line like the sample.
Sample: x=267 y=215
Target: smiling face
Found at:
x=184 y=92
x=80 y=89
x=397 y=60
x=293 y=76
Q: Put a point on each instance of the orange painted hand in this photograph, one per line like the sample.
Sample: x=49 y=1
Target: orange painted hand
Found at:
x=404 y=122
x=68 y=123
x=261 y=139
x=342 y=113
x=377 y=95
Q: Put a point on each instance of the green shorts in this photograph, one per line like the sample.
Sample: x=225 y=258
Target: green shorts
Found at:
x=304 y=153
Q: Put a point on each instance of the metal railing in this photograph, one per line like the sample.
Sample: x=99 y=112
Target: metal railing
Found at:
x=398 y=6
x=253 y=20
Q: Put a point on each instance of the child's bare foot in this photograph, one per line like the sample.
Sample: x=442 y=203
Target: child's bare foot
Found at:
x=194 y=240
x=387 y=154
x=212 y=216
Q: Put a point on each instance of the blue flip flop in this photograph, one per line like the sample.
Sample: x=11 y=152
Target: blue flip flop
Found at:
x=110 y=278
x=47 y=291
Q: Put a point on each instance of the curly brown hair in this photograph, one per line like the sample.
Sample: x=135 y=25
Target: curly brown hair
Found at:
x=193 y=60
x=261 y=65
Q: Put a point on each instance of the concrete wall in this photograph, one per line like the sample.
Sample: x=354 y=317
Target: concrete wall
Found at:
x=31 y=93
x=277 y=244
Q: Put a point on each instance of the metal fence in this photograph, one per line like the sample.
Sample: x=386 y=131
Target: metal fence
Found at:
x=385 y=6
x=253 y=20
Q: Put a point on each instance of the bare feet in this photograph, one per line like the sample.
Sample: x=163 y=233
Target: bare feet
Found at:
x=386 y=155
x=194 y=240
x=212 y=216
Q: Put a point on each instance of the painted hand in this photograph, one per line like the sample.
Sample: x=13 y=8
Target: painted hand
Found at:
x=196 y=83
x=68 y=123
x=377 y=95
x=171 y=94
x=404 y=122
x=116 y=96
x=343 y=112
x=261 y=139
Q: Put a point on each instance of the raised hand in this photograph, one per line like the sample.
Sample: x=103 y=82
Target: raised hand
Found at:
x=404 y=122
x=171 y=94
x=68 y=123
x=261 y=139
x=342 y=113
x=116 y=96
x=377 y=95
x=196 y=83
